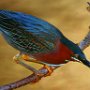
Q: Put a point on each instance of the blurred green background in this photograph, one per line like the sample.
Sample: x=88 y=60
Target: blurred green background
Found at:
x=72 y=18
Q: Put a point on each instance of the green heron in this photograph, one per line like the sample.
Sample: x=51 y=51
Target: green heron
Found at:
x=38 y=41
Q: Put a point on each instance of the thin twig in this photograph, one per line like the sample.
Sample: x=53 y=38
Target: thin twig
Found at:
x=85 y=42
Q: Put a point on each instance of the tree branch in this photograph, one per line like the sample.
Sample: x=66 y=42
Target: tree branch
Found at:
x=85 y=42
x=30 y=79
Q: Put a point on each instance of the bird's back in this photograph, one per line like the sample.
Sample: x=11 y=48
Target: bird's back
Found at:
x=28 y=33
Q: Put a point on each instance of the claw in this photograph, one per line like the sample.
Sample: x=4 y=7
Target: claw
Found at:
x=17 y=58
x=20 y=57
x=50 y=70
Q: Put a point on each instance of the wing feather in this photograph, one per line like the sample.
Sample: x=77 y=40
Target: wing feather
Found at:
x=28 y=33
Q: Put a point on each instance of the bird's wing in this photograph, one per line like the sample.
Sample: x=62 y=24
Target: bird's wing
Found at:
x=28 y=33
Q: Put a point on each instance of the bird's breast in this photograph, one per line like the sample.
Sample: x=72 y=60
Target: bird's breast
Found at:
x=57 y=56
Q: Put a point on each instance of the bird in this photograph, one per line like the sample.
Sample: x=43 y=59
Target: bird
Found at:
x=38 y=41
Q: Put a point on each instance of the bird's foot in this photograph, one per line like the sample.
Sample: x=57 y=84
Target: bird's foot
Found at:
x=50 y=70
x=16 y=58
x=28 y=58
x=20 y=56
x=35 y=71
x=25 y=57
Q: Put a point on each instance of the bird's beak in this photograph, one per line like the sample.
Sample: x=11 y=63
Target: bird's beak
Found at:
x=75 y=59
x=81 y=60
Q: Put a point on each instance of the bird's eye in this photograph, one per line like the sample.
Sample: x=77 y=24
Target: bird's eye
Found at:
x=76 y=55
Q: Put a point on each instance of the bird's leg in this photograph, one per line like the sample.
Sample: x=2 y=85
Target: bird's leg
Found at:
x=30 y=59
x=35 y=71
x=19 y=57
x=25 y=57
x=49 y=68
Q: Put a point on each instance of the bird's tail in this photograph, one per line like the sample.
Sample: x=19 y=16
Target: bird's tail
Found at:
x=7 y=23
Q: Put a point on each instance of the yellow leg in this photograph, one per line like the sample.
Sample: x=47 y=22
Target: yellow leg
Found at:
x=18 y=59
x=25 y=57
x=35 y=71
x=30 y=59
x=21 y=56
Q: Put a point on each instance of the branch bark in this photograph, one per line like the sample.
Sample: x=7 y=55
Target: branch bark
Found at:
x=30 y=79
